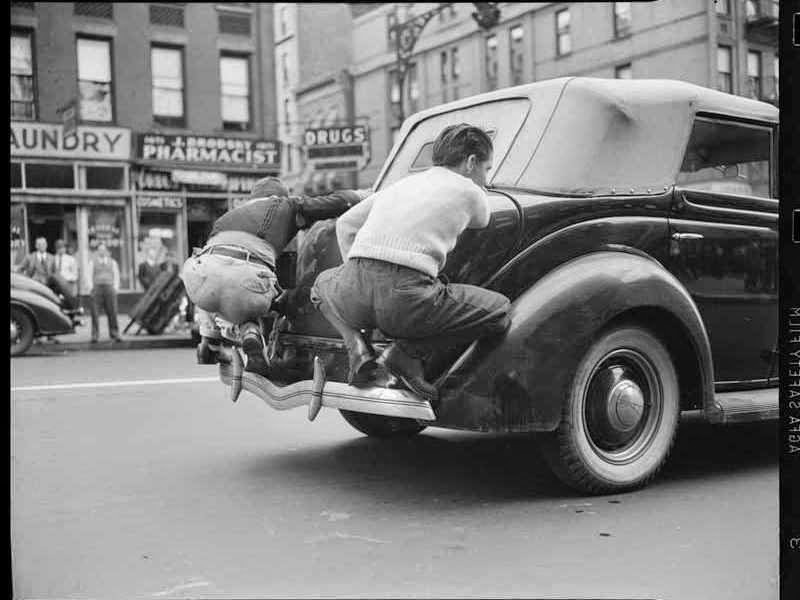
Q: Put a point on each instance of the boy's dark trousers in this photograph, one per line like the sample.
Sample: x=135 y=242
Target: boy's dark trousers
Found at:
x=103 y=295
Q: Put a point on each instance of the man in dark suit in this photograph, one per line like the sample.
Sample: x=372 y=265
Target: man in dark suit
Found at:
x=39 y=265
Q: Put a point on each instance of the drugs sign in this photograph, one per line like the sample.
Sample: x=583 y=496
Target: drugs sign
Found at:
x=337 y=148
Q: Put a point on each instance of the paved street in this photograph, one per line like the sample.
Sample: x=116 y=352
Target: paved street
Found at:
x=169 y=491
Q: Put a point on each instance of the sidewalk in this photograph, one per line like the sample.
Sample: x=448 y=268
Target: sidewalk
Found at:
x=81 y=339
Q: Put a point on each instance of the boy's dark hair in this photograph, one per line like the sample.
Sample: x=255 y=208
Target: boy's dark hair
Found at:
x=268 y=186
x=456 y=142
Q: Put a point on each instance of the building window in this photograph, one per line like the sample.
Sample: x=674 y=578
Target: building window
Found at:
x=754 y=74
x=170 y=16
x=443 y=74
x=516 y=39
x=94 y=80
x=287 y=120
x=167 y=67
x=235 y=86
x=15 y=175
x=23 y=90
x=724 y=70
x=775 y=70
x=455 y=72
x=102 y=178
x=285 y=69
x=723 y=7
x=100 y=10
x=563 y=38
x=623 y=72
x=750 y=9
x=622 y=19
x=491 y=62
x=412 y=85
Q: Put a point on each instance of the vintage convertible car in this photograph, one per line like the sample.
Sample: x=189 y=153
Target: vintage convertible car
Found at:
x=36 y=311
x=634 y=228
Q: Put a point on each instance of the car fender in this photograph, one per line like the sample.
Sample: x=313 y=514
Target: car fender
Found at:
x=47 y=316
x=518 y=382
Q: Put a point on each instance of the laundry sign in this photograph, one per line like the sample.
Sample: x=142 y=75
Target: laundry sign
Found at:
x=88 y=142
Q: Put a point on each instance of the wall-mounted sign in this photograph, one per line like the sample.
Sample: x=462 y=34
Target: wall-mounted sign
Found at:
x=159 y=202
x=337 y=148
x=199 y=149
x=48 y=140
x=168 y=180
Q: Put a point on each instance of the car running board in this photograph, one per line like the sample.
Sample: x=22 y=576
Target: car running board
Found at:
x=319 y=392
x=744 y=406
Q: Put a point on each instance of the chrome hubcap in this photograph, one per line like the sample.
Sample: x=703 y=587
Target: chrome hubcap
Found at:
x=14 y=331
x=622 y=406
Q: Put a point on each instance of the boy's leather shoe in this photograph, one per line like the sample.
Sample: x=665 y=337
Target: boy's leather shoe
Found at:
x=253 y=347
x=205 y=354
x=410 y=371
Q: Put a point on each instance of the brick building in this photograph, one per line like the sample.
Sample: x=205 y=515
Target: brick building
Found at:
x=730 y=45
x=313 y=87
x=175 y=114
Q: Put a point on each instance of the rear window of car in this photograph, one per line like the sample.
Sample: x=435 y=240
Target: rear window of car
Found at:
x=501 y=119
x=727 y=157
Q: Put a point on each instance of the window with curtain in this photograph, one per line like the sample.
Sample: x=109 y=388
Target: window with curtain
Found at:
x=23 y=91
x=516 y=39
x=563 y=37
x=235 y=88
x=491 y=62
x=94 y=80
x=724 y=69
x=754 y=79
x=167 y=68
x=443 y=74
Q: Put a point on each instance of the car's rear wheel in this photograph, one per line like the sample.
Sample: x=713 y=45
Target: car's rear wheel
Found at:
x=620 y=418
x=22 y=331
x=381 y=426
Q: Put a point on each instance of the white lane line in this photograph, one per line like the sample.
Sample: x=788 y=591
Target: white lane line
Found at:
x=101 y=384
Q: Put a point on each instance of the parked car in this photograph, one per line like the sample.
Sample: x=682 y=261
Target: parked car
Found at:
x=634 y=228
x=36 y=311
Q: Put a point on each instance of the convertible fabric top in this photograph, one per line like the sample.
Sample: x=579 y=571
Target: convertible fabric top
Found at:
x=591 y=136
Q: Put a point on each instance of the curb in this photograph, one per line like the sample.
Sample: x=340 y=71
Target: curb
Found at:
x=105 y=345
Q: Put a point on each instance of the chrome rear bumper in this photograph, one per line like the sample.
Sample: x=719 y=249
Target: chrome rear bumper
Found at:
x=318 y=392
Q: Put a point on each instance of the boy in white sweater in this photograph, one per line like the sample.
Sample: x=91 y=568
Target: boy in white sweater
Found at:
x=394 y=244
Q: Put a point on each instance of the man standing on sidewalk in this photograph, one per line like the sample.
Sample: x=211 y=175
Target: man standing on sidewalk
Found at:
x=104 y=280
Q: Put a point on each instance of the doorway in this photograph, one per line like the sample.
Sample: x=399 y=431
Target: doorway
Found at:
x=52 y=222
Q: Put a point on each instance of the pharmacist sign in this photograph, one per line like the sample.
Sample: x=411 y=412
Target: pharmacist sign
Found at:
x=48 y=140
x=209 y=150
x=337 y=148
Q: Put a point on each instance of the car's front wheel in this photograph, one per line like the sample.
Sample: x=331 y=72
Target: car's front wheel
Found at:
x=381 y=426
x=620 y=418
x=22 y=331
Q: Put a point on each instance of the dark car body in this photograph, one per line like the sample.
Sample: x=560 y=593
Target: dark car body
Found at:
x=36 y=311
x=641 y=208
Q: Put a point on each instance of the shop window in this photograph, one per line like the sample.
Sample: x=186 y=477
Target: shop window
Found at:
x=158 y=232
x=104 y=178
x=516 y=57
x=49 y=176
x=107 y=225
x=235 y=87
x=94 y=80
x=563 y=35
x=23 y=90
x=491 y=62
x=723 y=7
x=16 y=175
x=18 y=234
x=167 y=69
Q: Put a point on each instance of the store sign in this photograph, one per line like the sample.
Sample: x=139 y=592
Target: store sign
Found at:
x=198 y=149
x=205 y=178
x=159 y=202
x=337 y=148
x=171 y=180
x=48 y=140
